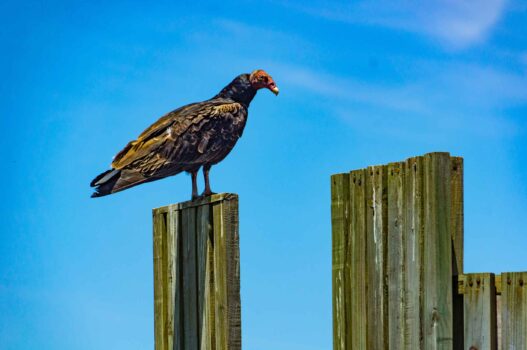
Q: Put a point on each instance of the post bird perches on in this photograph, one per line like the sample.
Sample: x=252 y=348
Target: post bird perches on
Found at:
x=198 y=135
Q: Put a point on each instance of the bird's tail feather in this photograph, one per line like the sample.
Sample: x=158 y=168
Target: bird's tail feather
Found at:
x=115 y=180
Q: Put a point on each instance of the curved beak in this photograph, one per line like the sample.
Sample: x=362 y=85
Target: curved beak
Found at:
x=274 y=90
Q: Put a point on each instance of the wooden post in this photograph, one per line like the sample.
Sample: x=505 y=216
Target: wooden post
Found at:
x=197 y=275
x=480 y=311
x=514 y=310
x=397 y=249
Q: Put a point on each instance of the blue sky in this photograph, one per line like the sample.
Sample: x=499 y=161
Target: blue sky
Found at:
x=360 y=84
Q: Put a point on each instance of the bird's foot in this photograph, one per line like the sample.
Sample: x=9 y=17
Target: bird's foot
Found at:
x=207 y=193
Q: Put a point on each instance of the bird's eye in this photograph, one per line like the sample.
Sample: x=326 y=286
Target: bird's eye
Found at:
x=264 y=79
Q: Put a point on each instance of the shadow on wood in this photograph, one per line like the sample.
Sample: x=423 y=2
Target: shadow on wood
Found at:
x=197 y=275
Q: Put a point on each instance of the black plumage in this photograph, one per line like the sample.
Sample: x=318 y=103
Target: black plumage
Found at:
x=191 y=137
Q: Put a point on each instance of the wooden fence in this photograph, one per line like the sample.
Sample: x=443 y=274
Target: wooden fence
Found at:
x=197 y=275
x=398 y=283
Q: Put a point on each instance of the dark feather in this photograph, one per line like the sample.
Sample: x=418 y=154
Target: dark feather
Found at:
x=185 y=139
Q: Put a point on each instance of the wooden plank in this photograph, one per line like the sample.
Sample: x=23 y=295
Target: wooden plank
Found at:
x=174 y=259
x=480 y=312
x=159 y=305
x=413 y=233
x=205 y=279
x=396 y=257
x=231 y=233
x=376 y=247
x=357 y=258
x=170 y=280
x=514 y=310
x=340 y=232
x=456 y=229
x=190 y=312
x=462 y=282
x=227 y=275
x=437 y=268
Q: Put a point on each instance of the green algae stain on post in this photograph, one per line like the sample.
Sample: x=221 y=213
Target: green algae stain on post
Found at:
x=514 y=310
x=397 y=246
x=197 y=275
x=340 y=228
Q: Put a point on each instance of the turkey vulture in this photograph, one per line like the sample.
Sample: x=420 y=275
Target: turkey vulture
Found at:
x=186 y=139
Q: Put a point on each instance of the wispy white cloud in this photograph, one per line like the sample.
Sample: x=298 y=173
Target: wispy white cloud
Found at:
x=457 y=98
x=455 y=23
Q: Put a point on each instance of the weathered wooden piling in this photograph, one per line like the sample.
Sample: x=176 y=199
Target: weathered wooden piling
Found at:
x=197 y=275
x=398 y=279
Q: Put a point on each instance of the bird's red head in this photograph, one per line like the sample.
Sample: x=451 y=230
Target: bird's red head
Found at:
x=260 y=79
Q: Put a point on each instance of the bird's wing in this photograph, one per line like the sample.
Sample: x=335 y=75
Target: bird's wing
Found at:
x=171 y=131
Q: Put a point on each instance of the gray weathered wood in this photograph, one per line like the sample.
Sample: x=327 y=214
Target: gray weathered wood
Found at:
x=227 y=271
x=456 y=227
x=397 y=252
x=159 y=298
x=480 y=312
x=173 y=283
x=413 y=233
x=205 y=281
x=357 y=259
x=437 y=268
x=196 y=262
x=340 y=229
x=188 y=263
x=376 y=246
x=514 y=310
x=396 y=256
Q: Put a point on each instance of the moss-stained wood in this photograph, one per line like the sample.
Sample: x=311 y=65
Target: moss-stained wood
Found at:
x=456 y=227
x=196 y=262
x=376 y=246
x=480 y=312
x=227 y=275
x=437 y=320
x=160 y=232
x=514 y=310
x=356 y=257
x=397 y=253
x=413 y=244
x=396 y=256
x=173 y=282
x=189 y=285
x=340 y=232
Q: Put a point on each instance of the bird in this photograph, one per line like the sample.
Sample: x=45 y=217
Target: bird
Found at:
x=194 y=136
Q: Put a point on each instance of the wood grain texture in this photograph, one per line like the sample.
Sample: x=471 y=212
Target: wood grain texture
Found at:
x=340 y=232
x=189 y=285
x=227 y=275
x=376 y=247
x=159 y=299
x=457 y=232
x=196 y=261
x=356 y=257
x=437 y=268
x=396 y=257
x=480 y=312
x=514 y=310
x=413 y=232
x=205 y=282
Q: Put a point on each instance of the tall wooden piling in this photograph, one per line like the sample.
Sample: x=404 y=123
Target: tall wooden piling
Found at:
x=397 y=243
x=197 y=275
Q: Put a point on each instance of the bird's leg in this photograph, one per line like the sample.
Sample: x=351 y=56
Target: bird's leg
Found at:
x=207 y=192
x=194 y=175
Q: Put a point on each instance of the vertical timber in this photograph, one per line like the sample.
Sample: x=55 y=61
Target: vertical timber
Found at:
x=480 y=311
x=514 y=310
x=197 y=275
x=397 y=251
